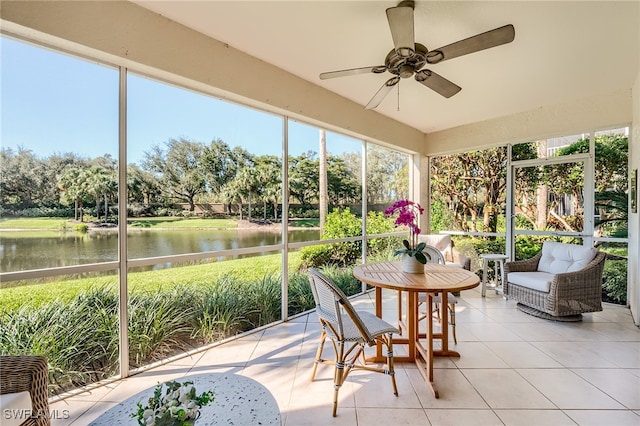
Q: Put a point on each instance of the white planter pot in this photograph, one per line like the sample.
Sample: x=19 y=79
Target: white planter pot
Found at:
x=411 y=265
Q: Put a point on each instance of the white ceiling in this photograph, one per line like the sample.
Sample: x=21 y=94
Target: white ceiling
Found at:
x=562 y=51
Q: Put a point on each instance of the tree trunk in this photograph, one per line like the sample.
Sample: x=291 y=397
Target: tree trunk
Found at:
x=323 y=180
x=542 y=193
x=106 y=208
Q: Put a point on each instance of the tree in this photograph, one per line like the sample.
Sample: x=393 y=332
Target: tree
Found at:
x=268 y=173
x=304 y=178
x=386 y=175
x=143 y=186
x=71 y=185
x=343 y=184
x=101 y=183
x=470 y=184
x=179 y=169
x=25 y=179
x=221 y=164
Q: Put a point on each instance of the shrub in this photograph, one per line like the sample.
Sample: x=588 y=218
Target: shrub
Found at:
x=615 y=281
x=81 y=227
x=222 y=310
x=342 y=224
x=300 y=296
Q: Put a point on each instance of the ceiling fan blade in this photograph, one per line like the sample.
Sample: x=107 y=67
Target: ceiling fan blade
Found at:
x=437 y=83
x=401 y=24
x=382 y=92
x=353 y=71
x=486 y=40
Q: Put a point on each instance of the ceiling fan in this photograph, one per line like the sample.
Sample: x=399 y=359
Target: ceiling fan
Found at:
x=408 y=57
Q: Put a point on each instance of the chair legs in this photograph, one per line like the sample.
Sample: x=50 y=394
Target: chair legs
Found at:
x=319 y=359
x=346 y=359
x=452 y=318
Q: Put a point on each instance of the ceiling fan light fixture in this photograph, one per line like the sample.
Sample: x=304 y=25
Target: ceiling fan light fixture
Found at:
x=406 y=71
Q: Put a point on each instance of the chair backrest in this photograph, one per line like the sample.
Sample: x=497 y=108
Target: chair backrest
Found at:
x=558 y=258
x=331 y=302
x=434 y=254
x=440 y=241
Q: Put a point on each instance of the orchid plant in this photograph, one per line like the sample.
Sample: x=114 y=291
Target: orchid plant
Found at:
x=408 y=214
x=178 y=406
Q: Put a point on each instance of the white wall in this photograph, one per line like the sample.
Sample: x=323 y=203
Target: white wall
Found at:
x=633 y=290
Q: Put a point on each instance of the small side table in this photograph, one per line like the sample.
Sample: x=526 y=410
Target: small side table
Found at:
x=498 y=263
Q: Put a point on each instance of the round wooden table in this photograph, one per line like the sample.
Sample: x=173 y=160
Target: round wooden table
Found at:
x=435 y=279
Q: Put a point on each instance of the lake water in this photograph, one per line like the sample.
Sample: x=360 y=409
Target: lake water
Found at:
x=27 y=250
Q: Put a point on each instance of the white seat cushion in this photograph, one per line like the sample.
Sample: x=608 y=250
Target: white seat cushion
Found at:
x=558 y=258
x=540 y=281
x=15 y=408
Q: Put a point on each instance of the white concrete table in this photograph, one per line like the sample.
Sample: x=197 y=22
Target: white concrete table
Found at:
x=238 y=400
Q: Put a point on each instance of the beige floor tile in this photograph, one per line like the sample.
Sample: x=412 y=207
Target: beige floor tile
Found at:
x=463 y=417
x=569 y=391
x=573 y=355
x=522 y=355
x=231 y=354
x=604 y=417
x=514 y=369
x=374 y=390
x=618 y=384
x=492 y=332
x=314 y=415
x=477 y=355
x=534 y=332
x=76 y=412
x=622 y=354
x=534 y=418
x=390 y=416
x=454 y=390
x=506 y=389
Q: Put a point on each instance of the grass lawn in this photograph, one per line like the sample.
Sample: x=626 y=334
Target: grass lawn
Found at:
x=182 y=222
x=33 y=223
x=66 y=289
x=150 y=222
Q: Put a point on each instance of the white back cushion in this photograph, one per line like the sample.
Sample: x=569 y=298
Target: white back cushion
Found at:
x=441 y=242
x=558 y=258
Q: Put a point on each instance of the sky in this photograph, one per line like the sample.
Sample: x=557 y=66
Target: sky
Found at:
x=53 y=103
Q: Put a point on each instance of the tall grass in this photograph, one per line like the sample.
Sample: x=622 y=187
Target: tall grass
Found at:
x=79 y=337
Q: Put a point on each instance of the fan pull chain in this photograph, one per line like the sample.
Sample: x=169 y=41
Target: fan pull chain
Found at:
x=398 y=96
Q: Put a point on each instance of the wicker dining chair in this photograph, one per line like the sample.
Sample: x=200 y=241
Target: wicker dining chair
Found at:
x=436 y=257
x=349 y=331
x=19 y=373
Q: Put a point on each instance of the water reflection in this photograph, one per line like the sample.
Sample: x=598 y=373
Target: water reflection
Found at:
x=20 y=251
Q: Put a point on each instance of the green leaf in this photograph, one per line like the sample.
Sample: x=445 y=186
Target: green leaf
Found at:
x=406 y=244
x=420 y=257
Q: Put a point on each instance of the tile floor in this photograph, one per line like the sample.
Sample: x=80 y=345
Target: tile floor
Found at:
x=514 y=369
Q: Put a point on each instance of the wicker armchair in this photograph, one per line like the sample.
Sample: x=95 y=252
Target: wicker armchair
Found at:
x=569 y=294
x=27 y=373
x=349 y=331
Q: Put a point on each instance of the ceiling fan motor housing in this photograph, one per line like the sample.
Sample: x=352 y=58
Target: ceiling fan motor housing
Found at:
x=406 y=67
